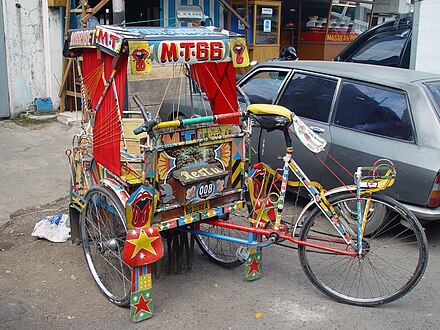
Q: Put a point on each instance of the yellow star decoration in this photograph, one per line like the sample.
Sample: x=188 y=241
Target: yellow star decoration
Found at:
x=262 y=212
x=143 y=242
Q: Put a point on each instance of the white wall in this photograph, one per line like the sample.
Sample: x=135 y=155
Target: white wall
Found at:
x=386 y=6
x=33 y=52
x=428 y=41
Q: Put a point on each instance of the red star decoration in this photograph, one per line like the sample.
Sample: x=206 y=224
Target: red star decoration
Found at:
x=142 y=305
x=254 y=266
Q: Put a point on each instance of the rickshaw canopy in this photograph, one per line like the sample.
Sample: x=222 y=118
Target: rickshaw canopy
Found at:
x=107 y=51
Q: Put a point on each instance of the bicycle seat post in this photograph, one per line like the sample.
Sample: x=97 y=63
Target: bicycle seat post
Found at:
x=286 y=159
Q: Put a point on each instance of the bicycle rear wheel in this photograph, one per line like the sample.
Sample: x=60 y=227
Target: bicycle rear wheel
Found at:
x=394 y=258
x=103 y=231
x=222 y=252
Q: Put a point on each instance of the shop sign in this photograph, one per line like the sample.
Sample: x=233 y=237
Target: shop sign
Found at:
x=341 y=37
x=267 y=25
x=266 y=11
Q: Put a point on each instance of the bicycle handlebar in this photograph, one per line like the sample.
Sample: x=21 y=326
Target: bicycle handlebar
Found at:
x=149 y=125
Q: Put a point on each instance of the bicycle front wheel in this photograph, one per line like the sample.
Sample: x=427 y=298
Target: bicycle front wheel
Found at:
x=103 y=232
x=393 y=261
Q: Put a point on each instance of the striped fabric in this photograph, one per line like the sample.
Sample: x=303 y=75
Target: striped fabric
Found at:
x=211 y=8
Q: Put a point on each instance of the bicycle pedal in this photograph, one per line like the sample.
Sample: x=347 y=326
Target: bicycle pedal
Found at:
x=242 y=253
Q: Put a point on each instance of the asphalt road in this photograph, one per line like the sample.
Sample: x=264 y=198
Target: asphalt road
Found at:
x=47 y=285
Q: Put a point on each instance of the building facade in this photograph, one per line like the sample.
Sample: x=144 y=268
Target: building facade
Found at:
x=32 y=32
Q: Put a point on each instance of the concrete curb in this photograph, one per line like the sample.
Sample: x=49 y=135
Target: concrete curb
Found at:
x=69 y=118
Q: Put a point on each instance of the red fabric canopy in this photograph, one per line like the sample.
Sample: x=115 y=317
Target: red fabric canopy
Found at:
x=107 y=128
x=218 y=82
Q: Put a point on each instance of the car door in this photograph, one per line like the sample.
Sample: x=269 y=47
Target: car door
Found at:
x=261 y=86
x=311 y=97
x=373 y=122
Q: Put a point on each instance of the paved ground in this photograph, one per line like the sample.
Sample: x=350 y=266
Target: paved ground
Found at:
x=33 y=164
x=45 y=285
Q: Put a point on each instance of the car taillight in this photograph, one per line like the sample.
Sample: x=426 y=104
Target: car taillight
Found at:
x=434 y=198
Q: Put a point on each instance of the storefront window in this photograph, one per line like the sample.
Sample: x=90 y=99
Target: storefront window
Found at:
x=267 y=25
x=314 y=20
x=348 y=19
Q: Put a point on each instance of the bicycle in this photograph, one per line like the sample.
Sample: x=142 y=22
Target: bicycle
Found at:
x=191 y=175
x=334 y=250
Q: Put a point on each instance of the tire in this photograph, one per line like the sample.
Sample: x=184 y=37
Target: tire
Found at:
x=394 y=259
x=222 y=252
x=374 y=219
x=103 y=231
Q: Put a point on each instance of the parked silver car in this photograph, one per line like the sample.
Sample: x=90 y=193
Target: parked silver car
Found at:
x=365 y=113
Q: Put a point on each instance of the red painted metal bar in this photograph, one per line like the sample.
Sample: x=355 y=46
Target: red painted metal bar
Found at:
x=267 y=232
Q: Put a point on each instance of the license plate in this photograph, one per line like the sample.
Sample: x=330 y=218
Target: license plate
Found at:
x=196 y=208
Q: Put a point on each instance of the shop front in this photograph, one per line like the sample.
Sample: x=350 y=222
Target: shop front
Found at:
x=263 y=36
x=320 y=29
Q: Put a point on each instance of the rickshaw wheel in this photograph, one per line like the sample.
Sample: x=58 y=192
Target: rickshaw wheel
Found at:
x=222 y=252
x=103 y=231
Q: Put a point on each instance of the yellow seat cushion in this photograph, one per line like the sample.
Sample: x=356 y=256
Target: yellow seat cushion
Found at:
x=270 y=109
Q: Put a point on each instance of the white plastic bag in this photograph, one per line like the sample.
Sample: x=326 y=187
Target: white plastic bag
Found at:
x=53 y=228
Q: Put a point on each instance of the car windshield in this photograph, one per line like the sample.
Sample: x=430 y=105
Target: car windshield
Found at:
x=263 y=86
x=434 y=88
x=382 y=49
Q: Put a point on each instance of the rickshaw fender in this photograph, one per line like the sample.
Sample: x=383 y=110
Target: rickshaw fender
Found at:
x=310 y=205
x=117 y=188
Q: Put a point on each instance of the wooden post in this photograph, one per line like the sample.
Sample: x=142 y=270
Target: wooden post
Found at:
x=233 y=11
x=67 y=63
x=84 y=7
x=228 y=18
x=246 y=17
x=62 y=92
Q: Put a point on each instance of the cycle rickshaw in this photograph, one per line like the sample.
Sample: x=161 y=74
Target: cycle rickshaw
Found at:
x=135 y=179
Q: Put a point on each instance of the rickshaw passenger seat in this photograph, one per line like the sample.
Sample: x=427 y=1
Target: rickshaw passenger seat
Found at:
x=132 y=140
x=270 y=109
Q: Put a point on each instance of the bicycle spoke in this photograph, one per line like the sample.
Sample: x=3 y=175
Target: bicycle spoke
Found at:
x=220 y=251
x=103 y=232
x=393 y=257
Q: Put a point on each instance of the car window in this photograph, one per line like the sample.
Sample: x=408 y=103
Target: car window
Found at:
x=382 y=49
x=263 y=87
x=309 y=96
x=374 y=109
x=434 y=88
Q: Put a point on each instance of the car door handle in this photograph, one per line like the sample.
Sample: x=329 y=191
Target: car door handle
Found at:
x=318 y=130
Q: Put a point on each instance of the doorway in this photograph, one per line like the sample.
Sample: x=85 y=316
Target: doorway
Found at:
x=145 y=13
